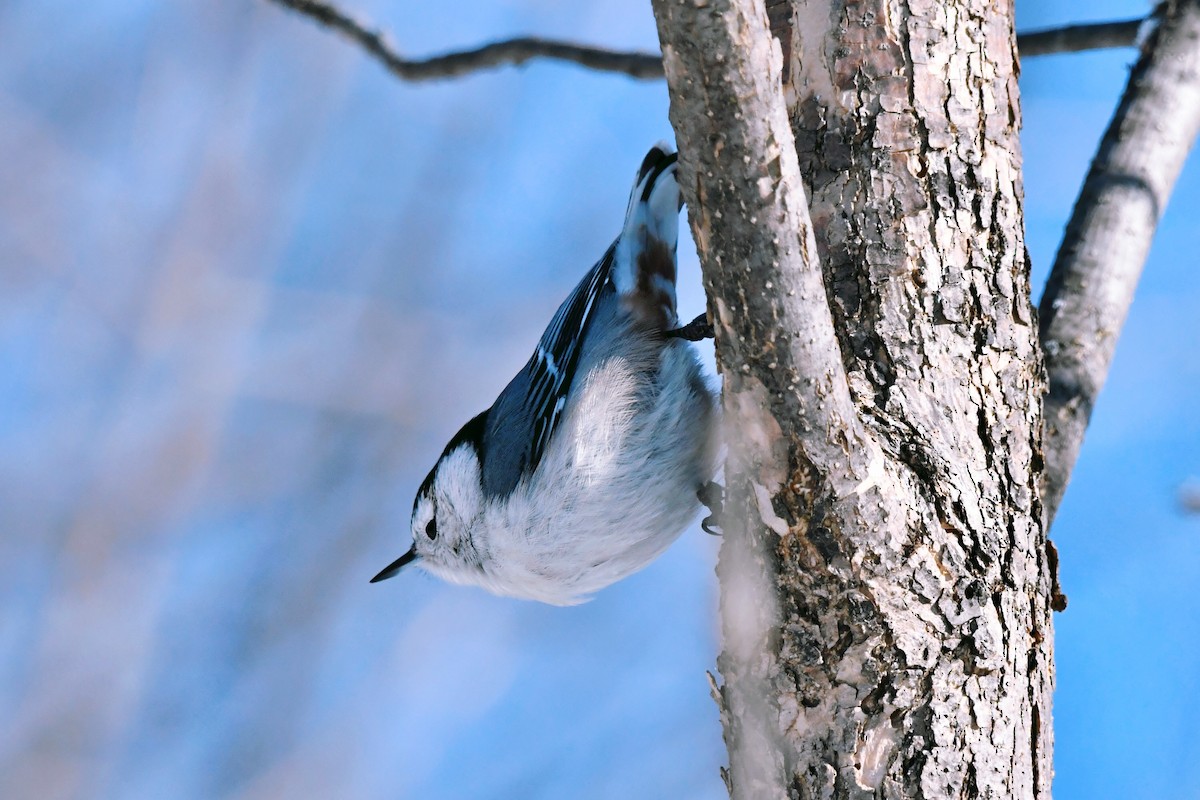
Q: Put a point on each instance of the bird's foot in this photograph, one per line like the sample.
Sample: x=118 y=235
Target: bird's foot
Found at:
x=712 y=495
x=694 y=331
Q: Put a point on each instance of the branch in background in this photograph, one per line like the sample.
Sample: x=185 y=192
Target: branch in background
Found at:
x=1077 y=38
x=1100 y=260
x=643 y=66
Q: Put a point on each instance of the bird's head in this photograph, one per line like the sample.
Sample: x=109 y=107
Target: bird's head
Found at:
x=446 y=510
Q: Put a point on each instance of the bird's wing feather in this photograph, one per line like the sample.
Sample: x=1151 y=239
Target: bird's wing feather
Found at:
x=638 y=271
x=552 y=367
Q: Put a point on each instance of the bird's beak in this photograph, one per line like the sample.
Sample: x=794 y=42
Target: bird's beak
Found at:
x=391 y=569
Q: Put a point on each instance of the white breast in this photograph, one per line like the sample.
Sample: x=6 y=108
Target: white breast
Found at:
x=616 y=486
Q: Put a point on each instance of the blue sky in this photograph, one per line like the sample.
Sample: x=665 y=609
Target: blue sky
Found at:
x=249 y=284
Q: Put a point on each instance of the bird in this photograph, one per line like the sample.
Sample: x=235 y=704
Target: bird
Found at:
x=598 y=454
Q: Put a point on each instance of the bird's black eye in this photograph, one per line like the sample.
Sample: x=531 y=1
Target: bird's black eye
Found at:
x=431 y=529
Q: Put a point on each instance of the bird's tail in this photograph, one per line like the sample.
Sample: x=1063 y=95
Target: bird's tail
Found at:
x=644 y=268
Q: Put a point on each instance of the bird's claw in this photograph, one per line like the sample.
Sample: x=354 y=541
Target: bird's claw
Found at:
x=712 y=495
x=694 y=331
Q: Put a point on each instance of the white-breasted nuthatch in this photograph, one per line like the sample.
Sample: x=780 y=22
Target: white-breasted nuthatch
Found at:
x=588 y=464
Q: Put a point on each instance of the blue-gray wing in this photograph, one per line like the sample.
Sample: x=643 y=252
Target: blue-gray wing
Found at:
x=523 y=419
x=552 y=367
x=638 y=273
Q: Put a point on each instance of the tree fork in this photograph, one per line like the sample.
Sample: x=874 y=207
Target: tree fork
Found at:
x=885 y=586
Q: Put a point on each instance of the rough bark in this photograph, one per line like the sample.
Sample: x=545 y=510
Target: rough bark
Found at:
x=773 y=322
x=1100 y=260
x=884 y=579
x=907 y=118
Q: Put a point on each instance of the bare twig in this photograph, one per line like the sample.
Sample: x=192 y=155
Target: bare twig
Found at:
x=640 y=65
x=1076 y=38
x=1100 y=260
x=644 y=66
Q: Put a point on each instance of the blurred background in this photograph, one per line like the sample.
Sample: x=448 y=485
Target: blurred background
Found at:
x=250 y=284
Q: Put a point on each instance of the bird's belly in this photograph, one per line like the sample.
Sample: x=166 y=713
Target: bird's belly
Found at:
x=615 y=489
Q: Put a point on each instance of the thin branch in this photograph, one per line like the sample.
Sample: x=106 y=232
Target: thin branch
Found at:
x=644 y=66
x=640 y=65
x=1104 y=249
x=1077 y=38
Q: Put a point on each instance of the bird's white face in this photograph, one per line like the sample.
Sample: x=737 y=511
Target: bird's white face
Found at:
x=446 y=513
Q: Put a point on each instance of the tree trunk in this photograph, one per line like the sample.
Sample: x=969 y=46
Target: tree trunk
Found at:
x=885 y=586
